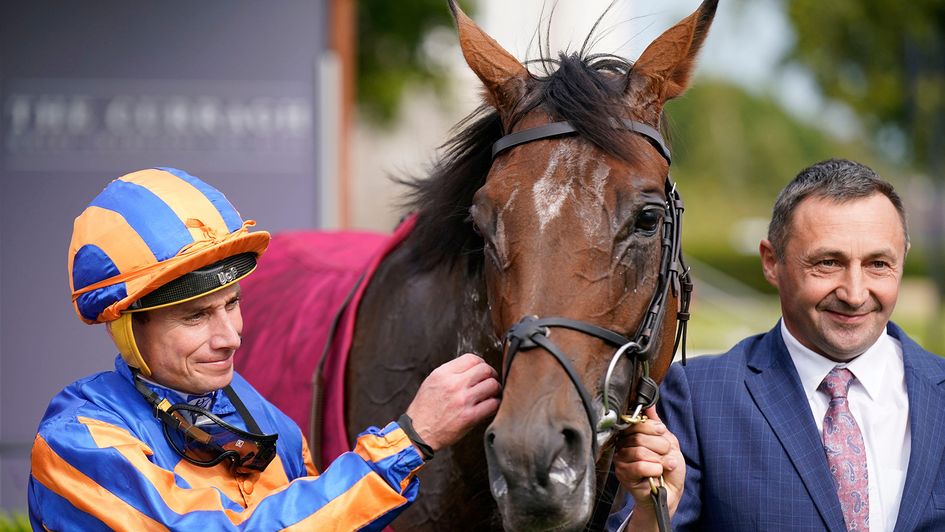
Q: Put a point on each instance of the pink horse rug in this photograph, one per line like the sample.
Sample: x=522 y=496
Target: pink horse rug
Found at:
x=304 y=294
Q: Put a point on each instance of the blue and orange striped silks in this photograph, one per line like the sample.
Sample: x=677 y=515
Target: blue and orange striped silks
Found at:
x=100 y=462
x=146 y=229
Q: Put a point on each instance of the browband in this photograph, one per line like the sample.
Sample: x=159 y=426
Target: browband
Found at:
x=558 y=129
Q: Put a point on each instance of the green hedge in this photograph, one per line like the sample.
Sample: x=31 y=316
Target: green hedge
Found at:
x=14 y=522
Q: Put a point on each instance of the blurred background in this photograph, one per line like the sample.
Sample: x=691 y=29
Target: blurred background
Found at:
x=301 y=110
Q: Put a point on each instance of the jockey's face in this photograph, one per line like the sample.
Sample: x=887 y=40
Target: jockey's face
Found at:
x=839 y=277
x=189 y=347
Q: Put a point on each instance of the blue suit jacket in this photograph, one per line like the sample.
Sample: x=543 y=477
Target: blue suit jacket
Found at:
x=755 y=461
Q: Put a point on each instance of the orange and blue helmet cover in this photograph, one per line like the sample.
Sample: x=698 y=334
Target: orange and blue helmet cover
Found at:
x=146 y=229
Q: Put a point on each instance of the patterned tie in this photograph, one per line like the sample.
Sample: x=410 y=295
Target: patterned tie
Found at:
x=846 y=453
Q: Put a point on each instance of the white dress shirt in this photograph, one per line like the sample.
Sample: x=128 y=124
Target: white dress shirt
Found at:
x=878 y=401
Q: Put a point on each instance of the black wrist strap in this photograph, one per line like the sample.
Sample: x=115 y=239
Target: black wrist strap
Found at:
x=407 y=425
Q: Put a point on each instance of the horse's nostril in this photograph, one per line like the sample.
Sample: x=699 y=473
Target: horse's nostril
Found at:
x=562 y=466
x=572 y=438
x=492 y=454
x=552 y=459
x=573 y=443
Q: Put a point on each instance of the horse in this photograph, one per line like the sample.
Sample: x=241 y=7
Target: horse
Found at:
x=546 y=240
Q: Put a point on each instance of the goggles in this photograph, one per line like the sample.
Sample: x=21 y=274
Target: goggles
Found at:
x=212 y=440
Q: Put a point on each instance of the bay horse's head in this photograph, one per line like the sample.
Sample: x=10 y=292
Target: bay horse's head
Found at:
x=579 y=223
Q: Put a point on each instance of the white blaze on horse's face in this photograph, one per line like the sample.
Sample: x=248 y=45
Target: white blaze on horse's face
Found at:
x=583 y=186
x=547 y=193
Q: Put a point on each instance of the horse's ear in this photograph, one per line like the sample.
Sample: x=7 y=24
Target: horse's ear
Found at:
x=503 y=75
x=663 y=70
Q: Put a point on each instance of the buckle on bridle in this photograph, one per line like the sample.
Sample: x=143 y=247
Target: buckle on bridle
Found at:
x=524 y=330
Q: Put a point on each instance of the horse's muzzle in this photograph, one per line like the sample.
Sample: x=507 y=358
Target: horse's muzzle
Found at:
x=543 y=479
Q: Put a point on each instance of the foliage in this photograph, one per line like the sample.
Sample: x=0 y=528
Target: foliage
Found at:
x=14 y=522
x=390 y=51
x=883 y=58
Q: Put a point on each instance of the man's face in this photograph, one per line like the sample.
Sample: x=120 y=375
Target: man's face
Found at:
x=189 y=347
x=839 y=278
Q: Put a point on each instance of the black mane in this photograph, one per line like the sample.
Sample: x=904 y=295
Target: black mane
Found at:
x=584 y=90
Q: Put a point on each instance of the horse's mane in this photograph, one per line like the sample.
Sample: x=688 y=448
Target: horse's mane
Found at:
x=586 y=90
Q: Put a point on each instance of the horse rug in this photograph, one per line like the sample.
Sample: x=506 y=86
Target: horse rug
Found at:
x=299 y=309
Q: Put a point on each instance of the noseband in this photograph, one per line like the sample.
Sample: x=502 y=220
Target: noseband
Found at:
x=534 y=331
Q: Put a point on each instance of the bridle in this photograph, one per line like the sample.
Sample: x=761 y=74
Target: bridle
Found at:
x=534 y=331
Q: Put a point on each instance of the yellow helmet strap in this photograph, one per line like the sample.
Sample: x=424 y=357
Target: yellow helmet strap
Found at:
x=124 y=338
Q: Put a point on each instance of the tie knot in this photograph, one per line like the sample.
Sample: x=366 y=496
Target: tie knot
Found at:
x=836 y=383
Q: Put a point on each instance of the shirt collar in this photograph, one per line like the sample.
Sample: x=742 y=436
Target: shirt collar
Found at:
x=215 y=401
x=205 y=400
x=872 y=369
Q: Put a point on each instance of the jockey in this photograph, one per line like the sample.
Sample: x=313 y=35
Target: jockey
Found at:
x=173 y=437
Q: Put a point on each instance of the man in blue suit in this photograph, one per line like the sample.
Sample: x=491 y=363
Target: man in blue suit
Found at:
x=769 y=442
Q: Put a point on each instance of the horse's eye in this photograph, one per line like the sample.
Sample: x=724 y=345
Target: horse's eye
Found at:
x=471 y=219
x=648 y=221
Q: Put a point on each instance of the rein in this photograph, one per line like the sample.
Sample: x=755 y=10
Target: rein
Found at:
x=534 y=331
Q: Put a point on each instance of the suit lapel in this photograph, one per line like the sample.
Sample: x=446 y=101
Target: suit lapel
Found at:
x=926 y=424
x=776 y=389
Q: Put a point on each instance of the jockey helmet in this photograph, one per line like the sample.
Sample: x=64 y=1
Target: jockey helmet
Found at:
x=151 y=239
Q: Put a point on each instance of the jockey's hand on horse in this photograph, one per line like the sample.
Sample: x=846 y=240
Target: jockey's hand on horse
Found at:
x=453 y=399
x=648 y=450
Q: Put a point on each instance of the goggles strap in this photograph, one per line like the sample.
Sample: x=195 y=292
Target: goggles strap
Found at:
x=242 y=410
x=173 y=419
x=179 y=422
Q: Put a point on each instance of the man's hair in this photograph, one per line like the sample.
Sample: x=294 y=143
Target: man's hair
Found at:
x=838 y=180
